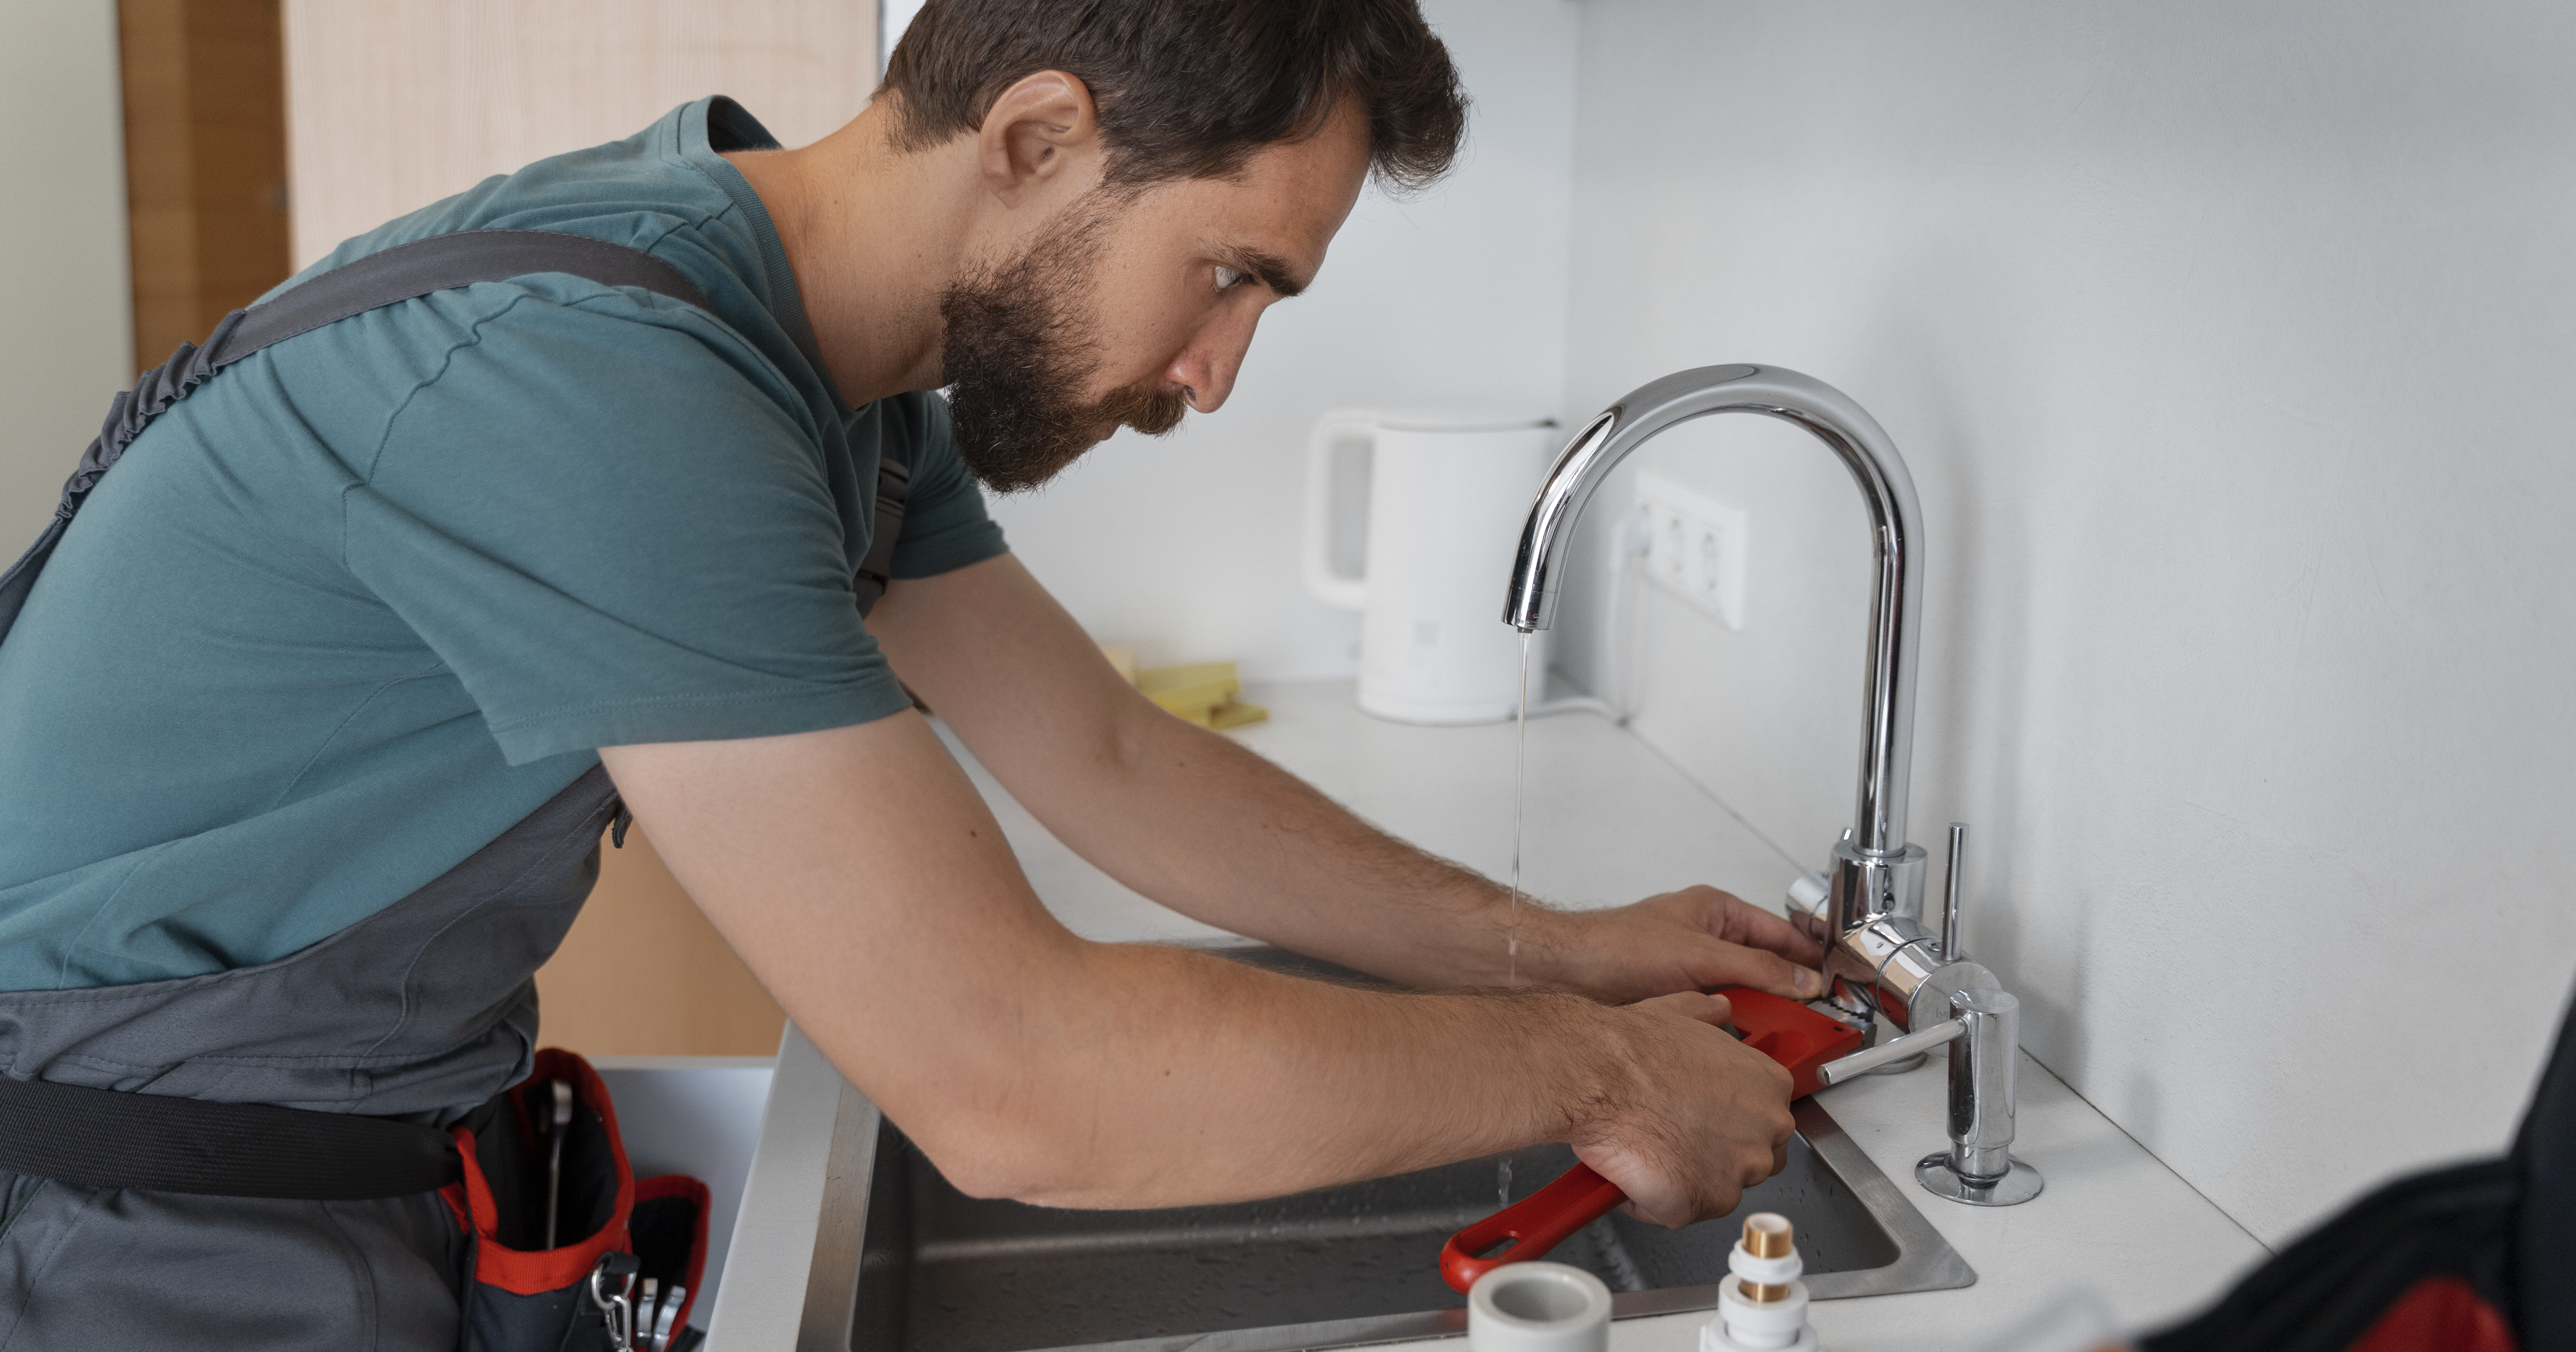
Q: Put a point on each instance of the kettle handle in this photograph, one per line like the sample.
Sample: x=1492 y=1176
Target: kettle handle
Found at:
x=1340 y=590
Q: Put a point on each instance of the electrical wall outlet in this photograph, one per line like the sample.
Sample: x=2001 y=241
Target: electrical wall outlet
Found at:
x=1696 y=550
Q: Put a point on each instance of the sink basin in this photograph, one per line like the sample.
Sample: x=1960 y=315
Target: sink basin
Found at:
x=922 y=1267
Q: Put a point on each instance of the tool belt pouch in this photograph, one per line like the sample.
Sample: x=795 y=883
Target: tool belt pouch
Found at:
x=584 y=1292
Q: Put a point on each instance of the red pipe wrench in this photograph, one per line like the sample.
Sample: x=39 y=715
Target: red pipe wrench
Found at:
x=1788 y=1032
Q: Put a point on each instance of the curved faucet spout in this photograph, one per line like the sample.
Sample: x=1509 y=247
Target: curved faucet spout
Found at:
x=1887 y=741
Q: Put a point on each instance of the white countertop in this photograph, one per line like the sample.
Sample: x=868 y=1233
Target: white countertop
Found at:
x=1610 y=821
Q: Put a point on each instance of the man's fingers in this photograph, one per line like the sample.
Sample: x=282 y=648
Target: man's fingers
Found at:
x=1735 y=965
x=1675 y=1211
x=1747 y=923
x=1714 y=1010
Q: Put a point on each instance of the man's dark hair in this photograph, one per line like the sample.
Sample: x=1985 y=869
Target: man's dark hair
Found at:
x=1191 y=88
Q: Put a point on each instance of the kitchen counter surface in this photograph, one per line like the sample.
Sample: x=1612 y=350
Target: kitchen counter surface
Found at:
x=1608 y=821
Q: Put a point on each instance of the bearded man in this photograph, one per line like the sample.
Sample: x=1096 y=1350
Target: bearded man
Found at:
x=315 y=713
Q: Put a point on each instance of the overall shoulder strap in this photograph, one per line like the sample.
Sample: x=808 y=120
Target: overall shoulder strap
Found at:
x=876 y=570
x=442 y=263
x=438 y=263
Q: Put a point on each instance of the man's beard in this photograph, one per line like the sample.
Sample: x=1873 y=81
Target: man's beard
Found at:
x=1018 y=354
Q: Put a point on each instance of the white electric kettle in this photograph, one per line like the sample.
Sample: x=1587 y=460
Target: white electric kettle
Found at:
x=1448 y=491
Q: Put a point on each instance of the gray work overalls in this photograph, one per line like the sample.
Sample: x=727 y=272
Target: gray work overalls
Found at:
x=420 y=1014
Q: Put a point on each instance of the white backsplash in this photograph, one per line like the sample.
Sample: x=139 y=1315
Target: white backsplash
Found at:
x=2228 y=346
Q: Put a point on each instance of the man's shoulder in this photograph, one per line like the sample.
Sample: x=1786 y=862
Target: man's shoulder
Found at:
x=564 y=335
x=645 y=192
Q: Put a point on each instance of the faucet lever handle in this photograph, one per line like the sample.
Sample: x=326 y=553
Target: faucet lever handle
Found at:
x=1886 y=1053
x=1953 y=887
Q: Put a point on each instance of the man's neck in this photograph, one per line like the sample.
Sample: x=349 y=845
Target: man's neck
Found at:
x=872 y=235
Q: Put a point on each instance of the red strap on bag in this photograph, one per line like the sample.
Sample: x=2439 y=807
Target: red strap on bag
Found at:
x=691 y=1197
x=2439 y=1314
x=535 y=1273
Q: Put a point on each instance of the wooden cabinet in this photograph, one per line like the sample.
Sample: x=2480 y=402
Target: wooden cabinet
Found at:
x=205 y=163
x=644 y=974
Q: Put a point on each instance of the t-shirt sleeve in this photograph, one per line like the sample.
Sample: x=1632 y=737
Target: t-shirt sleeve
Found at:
x=611 y=522
x=945 y=525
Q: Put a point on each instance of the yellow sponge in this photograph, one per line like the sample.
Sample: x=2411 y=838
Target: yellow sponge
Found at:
x=1202 y=692
x=1235 y=713
x=1192 y=689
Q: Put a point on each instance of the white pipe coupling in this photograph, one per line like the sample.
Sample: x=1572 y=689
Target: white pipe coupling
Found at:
x=1744 y=1324
x=1538 y=1307
x=1779 y=1271
x=1747 y=1325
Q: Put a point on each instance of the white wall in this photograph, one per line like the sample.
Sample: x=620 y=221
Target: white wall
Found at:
x=67 y=325
x=1187 y=546
x=2229 y=347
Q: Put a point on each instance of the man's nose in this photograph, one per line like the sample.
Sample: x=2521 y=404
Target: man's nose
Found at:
x=1207 y=366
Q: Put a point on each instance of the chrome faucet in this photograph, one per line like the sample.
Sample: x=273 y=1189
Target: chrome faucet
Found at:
x=1882 y=955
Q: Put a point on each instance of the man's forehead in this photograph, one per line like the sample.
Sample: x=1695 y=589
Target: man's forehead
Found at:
x=1280 y=211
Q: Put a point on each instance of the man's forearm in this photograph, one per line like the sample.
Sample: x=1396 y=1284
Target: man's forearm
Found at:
x=1181 y=814
x=1273 y=858
x=1318 y=1084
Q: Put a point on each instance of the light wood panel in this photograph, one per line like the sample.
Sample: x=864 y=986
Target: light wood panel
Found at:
x=393 y=106
x=205 y=163
x=644 y=974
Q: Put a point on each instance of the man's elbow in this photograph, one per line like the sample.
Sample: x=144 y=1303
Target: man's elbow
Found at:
x=1005 y=1156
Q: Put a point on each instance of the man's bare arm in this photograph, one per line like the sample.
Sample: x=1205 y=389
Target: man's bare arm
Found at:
x=865 y=883
x=1196 y=822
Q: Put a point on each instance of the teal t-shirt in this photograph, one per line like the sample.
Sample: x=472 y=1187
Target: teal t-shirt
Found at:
x=372 y=595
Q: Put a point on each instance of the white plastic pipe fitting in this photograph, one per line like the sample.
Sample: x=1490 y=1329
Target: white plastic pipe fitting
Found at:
x=1762 y=1305
x=1538 y=1307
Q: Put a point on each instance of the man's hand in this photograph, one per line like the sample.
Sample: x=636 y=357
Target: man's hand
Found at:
x=1710 y=1117
x=1695 y=939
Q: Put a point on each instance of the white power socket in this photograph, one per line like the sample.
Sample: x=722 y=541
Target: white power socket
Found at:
x=1697 y=547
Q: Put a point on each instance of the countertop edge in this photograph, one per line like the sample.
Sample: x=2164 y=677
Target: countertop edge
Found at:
x=761 y=1303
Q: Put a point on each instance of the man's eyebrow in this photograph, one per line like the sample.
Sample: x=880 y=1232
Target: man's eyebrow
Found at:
x=1272 y=270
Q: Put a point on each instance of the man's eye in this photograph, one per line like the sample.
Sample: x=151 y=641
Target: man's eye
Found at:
x=1226 y=278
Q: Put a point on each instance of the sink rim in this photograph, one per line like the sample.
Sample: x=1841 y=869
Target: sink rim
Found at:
x=1925 y=1260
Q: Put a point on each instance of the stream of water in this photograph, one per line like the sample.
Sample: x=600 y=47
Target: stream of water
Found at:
x=1520 y=782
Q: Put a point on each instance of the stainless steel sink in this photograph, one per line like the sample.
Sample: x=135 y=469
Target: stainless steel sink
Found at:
x=921 y=1267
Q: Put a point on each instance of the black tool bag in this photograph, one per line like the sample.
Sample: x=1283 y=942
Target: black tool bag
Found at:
x=2476 y=1258
x=570 y=1249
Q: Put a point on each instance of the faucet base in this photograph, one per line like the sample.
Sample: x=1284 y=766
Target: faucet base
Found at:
x=1940 y=1176
x=1899 y=1067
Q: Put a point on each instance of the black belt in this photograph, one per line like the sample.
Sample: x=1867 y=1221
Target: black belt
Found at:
x=107 y=1139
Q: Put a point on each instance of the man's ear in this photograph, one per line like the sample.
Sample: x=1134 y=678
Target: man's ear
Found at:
x=1042 y=130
